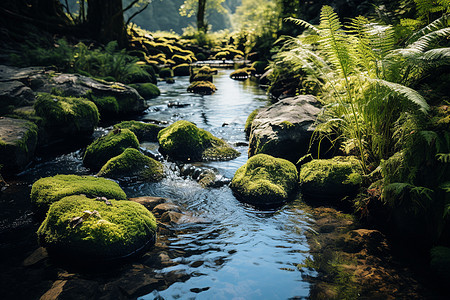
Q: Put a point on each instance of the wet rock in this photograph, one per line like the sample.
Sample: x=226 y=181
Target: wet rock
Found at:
x=331 y=179
x=18 y=140
x=159 y=260
x=36 y=257
x=177 y=104
x=109 y=146
x=184 y=141
x=72 y=289
x=66 y=117
x=108 y=230
x=132 y=165
x=160 y=209
x=149 y=202
x=372 y=242
x=265 y=180
x=14 y=94
x=139 y=281
x=284 y=129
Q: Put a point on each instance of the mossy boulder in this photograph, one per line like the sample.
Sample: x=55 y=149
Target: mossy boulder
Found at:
x=66 y=117
x=165 y=73
x=108 y=146
x=240 y=74
x=184 y=141
x=207 y=70
x=331 y=179
x=182 y=59
x=107 y=106
x=108 y=230
x=147 y=90
x=139 y=76
x=145 y=132
x=201 y=77
x=248 y=122
x=265 y=181
x=18 y=140
x=48 y=190
x=134 y=165
x=182 y=70
x=202 y=87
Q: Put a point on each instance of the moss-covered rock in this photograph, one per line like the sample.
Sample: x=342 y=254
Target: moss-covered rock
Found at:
x=134 y=165
x=48 y=190
x=201 y=77
x=248 y=122
x=207 y=70
x=18 y=140
x=182 y=70
x=184 y=141
x=66 y=116
x=147 y=90
x=240 y=74
x=331 y=178
x=165 y=73
x=182 y=59
x=144 y=131
x=89 y=230
x=108 y=146
x=107 y=106
x=265 y=180
x=202 y=87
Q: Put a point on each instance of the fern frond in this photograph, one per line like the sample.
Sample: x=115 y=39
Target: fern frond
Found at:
x=443 y=157
x=437 y=24
x=425 y=41
x=439 y=55
x=407 y=93
x=302 y=23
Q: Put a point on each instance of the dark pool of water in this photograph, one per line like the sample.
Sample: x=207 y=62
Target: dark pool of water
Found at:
x=239 y=252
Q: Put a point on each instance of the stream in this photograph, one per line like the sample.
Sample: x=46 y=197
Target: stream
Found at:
x=237 y=252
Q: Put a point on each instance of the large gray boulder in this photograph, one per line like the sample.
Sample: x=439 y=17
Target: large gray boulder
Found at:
x=284 y=129
x=18 y=139
x=14 y=93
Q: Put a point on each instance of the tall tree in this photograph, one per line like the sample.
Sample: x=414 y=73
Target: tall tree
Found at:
x=105 y=20
x=201 y=8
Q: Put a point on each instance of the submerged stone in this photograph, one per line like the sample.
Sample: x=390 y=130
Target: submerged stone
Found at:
x=107 y=231
x=184 y=141
x=109 y=146
x=331 y=178
x=18 y=140
x=132 y=164
x=48 y=190
x=265 y=181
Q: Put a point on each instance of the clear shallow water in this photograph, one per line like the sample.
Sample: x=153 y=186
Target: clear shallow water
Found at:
x=238 y=252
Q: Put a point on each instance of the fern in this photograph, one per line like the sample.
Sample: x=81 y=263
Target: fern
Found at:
x=443 y=157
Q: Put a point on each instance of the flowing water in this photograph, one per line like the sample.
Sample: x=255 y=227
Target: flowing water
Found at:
x=238 y=251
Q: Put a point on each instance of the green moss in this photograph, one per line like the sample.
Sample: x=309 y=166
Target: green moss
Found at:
x=201 y=77
x=133 y=164
x=165 y=73
x=143 y=131
x=181 y=59
x=207 y=70
x=107 y=106
x=48 y=190
x=265 y=180
x=115 y=231
x=182 y=70
x=286 y=124
x=222 y=55
x=240 y=74
x=106 y=147
x=248 y=123
x=202 y=87
x=184 y=141
x=147 y=90
x=335 y=178
x=59 y=111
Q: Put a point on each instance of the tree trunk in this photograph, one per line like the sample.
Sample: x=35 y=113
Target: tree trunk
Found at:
x=201 y=24
x=105 y=21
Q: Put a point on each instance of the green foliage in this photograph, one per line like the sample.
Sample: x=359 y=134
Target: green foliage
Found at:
x=110 y=231
x=48 y=190
x=106 y=147
x=265 y=180
x=132 y=164
x=184 y=141
x=143 y=131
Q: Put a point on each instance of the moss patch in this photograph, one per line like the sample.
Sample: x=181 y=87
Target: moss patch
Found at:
x=184 y=141
x=202 y=87
x=265 y=180
x=147 y=90
x=331 y=178
x=248 y=123
x=143 y=131
x=48 y=190
x=116 y=230
x=133 y=164
x=78 y=114
x=107 y=106
x=106 y=147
